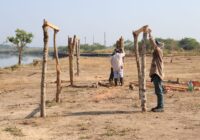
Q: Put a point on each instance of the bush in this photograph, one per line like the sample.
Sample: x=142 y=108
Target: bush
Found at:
x=189 y=44
x=91 y=48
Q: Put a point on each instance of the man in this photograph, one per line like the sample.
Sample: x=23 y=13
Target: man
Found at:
x=156 y=72
x=117 y=65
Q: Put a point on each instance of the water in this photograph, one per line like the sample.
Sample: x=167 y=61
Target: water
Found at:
x=9 y=60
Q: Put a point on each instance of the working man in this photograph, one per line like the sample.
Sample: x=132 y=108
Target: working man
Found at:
x=111 y=77
x=156 y=72
x=117 y=65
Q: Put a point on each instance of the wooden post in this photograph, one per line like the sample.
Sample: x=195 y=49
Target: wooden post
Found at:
x=58 y=71
x=137 y=58
x=143 y=70
x=44 y=69
x=77 y=56
x=141 y=65
x=71 y=45
x=121 y=43
x=45 y=26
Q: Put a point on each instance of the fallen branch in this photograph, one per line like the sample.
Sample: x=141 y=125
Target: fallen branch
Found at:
x=108 y=85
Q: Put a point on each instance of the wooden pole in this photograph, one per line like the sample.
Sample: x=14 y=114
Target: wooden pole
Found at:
x=70 y=60
x=137 y=58
x=71 y=45
x=121 y=43
x=117 y=44
x=77 y=55
x=58 y=71
x=141 y=66
x=143 y=71
x=44 y=69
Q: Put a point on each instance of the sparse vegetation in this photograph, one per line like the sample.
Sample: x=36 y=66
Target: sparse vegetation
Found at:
x=13 y=68
x=86 y=48
x=14 y=131
x=85 y=137
x=50 y=103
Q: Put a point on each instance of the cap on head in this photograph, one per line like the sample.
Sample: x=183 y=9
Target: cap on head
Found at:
x=160 y=44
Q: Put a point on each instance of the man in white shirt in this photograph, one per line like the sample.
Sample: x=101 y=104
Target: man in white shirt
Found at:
x=117 y=65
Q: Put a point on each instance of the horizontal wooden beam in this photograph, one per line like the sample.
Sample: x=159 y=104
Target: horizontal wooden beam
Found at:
x=46 y=23
x=142 y=29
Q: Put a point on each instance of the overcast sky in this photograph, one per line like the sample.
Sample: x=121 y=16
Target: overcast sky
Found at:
x=87 y=18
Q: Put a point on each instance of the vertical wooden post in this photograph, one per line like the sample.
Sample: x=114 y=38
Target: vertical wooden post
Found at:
x=77 y=55
x=143 y=68
x=70 y=60
x=58 y=71
x=121 y=43
x=71 y=45
x=44 y=69
x=137 y=58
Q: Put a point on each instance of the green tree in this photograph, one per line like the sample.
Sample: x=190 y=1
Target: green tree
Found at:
x=128 y=45
x=170 y=44
x=20 y=40
x=189 y=44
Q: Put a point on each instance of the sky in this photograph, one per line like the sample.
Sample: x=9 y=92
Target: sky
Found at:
x=91 y=18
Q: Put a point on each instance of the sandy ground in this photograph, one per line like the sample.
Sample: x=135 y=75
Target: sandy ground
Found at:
x=97 y=113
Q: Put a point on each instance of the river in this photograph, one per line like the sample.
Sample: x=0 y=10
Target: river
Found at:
x=9 y=60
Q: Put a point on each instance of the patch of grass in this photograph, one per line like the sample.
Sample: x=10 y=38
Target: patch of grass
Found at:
x=50 y=103
x=82 y=127
x=123 y=131
x=14 y=131
x=84 y=137
x=36 y=62
x=14 y=67
x=111 y=132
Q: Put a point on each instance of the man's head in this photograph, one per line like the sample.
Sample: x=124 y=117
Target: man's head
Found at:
x=117 y=50
x=160 y=44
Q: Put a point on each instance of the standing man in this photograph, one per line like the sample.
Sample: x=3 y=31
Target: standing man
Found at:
x=156 y=72
x=117 y=65
x=111 y=71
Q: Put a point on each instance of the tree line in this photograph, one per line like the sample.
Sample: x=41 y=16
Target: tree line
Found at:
x=185 y=44
x=22 y=38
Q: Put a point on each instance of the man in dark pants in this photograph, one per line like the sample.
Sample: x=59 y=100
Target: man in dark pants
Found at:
x=156 y=72
x=111 y=77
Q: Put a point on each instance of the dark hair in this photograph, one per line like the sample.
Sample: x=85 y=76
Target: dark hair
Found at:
x=117 y=50
x=157 y=42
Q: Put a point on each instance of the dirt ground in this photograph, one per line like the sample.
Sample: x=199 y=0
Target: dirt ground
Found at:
x=97 y=113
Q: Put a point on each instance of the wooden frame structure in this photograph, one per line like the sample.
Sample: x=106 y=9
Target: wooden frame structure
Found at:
x=45 y=27
x=141 y=64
